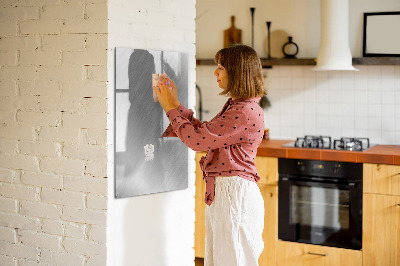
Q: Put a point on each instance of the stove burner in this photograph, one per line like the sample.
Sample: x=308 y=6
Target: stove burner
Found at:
x=308 y=141
x=351 y=144
x=324 y=142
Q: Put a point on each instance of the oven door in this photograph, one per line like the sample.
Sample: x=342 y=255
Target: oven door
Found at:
x=321 y=212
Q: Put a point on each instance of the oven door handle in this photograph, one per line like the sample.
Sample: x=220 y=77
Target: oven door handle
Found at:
x=297 y=181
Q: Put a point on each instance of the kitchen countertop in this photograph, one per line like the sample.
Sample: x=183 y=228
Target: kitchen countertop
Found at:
x=379 y=154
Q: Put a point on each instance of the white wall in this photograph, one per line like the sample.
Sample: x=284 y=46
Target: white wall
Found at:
x=155 y=229
x=337 y=104
x=299 y=18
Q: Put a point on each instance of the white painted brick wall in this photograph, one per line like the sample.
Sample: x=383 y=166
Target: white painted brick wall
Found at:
x=8 y=175
x=61 y=258
x=81 y=215
x=19 y=251
x=96 y=233
x=53 y=227
x=41 y=179
x=8 y=204
x=8 y=234
x=7 y=261
x=85 y=184
x=40 y=210
x=53 y=110
x=96 y=201
x=75 y=230
x=63 y=197
x=36 y=239
x=84 y=247
x=53 y=135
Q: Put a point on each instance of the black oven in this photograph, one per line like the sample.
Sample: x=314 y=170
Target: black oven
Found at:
x=320 y=202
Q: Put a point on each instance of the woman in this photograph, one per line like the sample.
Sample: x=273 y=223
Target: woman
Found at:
x=235 y=207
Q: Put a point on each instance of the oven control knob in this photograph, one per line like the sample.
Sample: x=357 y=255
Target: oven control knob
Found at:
x=302 y=167
x=336 y=169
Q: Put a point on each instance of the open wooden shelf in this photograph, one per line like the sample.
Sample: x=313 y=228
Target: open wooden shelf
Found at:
x=376 y=61
x=312 y=61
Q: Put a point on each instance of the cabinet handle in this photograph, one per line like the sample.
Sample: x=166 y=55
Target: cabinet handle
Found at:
x=398 y=204
x=318 y=254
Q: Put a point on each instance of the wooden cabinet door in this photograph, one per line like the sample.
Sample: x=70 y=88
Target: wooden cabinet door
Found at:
x=381 y=179
x=381 y=230
x=200 y=207
x=270 y=233
x=267 y=168
x=298 y=254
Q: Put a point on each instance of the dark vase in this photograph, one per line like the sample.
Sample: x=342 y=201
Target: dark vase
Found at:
x=290 y=49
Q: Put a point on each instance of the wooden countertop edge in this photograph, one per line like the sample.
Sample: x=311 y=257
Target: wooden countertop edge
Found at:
x=379 y=154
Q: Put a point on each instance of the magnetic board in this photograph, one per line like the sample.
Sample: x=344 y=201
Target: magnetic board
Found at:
x=145 y=163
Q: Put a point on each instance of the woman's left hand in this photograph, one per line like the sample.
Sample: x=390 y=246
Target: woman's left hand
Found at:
x=164 y=95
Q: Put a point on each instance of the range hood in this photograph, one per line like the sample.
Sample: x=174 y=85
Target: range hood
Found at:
x=334 y=51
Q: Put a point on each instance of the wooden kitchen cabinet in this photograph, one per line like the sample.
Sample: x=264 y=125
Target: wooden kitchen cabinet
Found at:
x=381 y=179
x=381 y=215
x=270 y=233
x=381 y=230
x=200 y=207
x=267 y=168
x=298 y=254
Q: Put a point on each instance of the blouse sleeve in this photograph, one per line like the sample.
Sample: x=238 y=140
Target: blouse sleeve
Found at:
x=186 y=113
x=228 y=129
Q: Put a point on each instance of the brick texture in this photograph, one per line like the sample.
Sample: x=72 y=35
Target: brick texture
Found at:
x=54 y=85
x=53 y=109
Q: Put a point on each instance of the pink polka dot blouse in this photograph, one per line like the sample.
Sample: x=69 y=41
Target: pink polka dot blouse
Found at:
x=231 y=139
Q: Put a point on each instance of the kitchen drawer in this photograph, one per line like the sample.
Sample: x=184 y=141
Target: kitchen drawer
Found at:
x=381 y=179
x=298 y=254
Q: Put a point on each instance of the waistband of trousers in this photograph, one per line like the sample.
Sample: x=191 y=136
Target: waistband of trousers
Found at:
x=228 y=179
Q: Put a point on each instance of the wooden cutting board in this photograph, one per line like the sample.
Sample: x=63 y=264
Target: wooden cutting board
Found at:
x=232 y=35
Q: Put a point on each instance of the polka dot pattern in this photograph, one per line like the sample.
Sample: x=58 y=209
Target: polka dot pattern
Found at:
x=231 y=139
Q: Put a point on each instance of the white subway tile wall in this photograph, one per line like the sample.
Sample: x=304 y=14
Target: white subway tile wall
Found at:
x=365 y=103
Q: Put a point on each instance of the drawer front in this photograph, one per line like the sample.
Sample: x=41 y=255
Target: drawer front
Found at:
x=381 y=179
x=293 y=254
x=381 y=230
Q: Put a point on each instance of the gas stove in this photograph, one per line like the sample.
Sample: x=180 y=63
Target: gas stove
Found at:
x=325 y=142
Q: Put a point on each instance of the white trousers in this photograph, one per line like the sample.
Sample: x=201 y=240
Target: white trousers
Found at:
x=234 y=223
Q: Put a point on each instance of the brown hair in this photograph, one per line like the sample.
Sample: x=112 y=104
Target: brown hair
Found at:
x=245 y=78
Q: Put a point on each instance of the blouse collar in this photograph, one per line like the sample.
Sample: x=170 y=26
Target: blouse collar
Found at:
x=255 y=99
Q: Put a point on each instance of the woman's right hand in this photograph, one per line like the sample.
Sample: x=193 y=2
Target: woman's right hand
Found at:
x=174 y=89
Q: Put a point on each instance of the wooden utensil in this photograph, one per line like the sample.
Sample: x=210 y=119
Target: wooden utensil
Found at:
x=232 y=35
